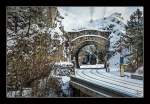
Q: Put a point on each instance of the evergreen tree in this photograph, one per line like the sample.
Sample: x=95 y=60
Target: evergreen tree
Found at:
x=135 y=36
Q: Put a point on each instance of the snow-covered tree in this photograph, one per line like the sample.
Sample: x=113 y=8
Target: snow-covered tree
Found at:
x=132 y=40
x=135 y=33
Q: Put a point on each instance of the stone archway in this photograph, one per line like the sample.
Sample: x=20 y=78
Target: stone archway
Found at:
x=83 y=44
x=79 y=39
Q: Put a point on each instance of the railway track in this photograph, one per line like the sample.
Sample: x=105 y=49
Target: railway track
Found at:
x=115 y=79
x=116 y=85
x=113 y=82
x=111 y=85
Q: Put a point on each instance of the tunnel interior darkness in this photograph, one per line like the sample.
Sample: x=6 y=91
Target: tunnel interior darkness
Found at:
x=86 y=43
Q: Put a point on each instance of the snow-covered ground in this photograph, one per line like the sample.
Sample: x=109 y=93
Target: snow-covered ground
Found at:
x=92 y=66
x=125 y=85
x=114 y=69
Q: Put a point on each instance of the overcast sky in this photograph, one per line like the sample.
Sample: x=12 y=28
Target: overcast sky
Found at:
x=99 y=12
x=84 y=14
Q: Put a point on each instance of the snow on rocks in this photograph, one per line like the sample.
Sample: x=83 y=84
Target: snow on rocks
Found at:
x=61 y=72
x=25 y=93
x=64 y=64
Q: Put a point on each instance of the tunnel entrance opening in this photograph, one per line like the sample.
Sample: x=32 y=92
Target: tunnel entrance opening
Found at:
x=86 y=57
x=90 y=55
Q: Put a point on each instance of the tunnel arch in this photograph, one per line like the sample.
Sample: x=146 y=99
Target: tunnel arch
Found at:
x=85 y=43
